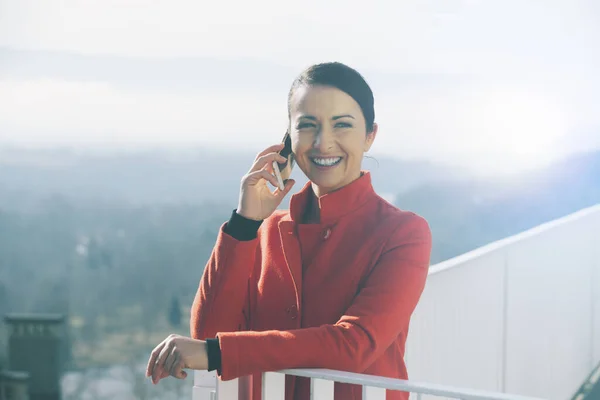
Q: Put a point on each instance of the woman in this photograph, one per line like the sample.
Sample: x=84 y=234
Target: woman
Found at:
x=332 y=282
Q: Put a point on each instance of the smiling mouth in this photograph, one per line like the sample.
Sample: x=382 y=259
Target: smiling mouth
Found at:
x=326 y=161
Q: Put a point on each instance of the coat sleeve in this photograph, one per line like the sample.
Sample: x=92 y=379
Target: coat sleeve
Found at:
x=378 y=315
x=221 y=302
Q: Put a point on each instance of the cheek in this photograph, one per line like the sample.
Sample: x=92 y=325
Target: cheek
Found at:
x=300 y=144
x=354 y=144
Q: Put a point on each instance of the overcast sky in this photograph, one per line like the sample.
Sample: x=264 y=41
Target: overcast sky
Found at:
x=461 y=81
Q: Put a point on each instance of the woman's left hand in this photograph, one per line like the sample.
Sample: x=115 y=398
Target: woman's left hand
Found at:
x=174 y=354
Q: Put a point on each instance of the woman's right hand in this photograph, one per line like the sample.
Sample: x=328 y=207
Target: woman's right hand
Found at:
x=257 y=201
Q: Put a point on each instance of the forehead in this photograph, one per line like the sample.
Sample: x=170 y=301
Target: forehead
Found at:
x=322 y=101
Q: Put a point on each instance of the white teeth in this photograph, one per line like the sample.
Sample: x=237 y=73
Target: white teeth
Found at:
x=327 y=161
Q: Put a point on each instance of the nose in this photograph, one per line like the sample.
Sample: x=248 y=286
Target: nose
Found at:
x=323 y=140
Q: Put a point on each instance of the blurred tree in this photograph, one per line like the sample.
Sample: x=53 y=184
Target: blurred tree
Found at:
x=4 y=303
x=175 y=313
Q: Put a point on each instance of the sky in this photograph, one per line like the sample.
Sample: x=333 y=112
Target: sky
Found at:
x=494 y=85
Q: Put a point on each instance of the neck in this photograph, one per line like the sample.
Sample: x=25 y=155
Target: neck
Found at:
x=320 y=191
x=312 y=213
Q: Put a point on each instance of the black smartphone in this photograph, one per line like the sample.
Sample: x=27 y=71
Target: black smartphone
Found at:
x=284 y=170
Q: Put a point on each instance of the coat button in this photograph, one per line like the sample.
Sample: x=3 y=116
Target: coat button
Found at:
x=292 y=311
x=326 y=234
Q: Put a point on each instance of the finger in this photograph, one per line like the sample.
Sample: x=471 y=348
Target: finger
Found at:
x=286 y=189
x=159 y=368
x=255 y=177
x=269 y=168
x=181 y=374
x=153 y=357
x=177 y=370
x=158 y=373
x=171 y=360
x=265 y=160
x=163 y=374
x=271 y=149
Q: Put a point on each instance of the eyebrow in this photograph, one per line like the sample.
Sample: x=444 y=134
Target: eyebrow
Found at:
x=342 y=116
x=335 y=117
x=311 y=117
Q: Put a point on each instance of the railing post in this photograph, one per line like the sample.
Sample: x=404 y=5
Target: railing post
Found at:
x=205 y=385
x=373 y=393
x=273 y=386
x=321 y=389
x=227 y=390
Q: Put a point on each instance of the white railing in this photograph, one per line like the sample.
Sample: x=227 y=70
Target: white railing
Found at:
x=208 y=387
x=521 y=315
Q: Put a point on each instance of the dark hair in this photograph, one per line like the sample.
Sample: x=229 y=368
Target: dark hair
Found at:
x=342 y=77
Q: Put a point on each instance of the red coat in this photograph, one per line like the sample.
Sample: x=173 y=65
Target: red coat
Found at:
x=348 y=308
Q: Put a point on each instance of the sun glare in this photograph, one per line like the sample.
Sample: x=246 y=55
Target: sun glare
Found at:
x=521 y=131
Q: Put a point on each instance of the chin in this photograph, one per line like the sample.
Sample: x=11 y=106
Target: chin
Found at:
x=327 y=181
x=327 y=184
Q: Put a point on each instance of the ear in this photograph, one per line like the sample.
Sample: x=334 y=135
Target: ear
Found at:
x=371 y=137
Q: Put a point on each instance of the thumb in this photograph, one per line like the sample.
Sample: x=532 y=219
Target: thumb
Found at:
x=182 y=374
x=289 y=183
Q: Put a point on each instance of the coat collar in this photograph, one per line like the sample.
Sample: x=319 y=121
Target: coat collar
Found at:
x=336 y=204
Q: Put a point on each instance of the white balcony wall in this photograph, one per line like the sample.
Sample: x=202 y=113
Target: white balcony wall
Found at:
x=518 y=316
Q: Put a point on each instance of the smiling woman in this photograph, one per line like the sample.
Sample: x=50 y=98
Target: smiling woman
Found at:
x=331 y=128
x=330 y=283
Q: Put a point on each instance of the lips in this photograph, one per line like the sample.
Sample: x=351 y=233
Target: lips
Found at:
x=326 y=161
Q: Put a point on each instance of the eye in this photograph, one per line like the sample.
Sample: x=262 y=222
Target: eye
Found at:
x=343 y=125
x=304 y=125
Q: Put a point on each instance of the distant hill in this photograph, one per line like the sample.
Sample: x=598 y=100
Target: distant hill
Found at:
x=464 y=212
x=152 y=177
x=467 y=214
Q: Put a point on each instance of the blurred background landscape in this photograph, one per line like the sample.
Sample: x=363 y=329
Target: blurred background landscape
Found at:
x=125 y=129
x=119 y=242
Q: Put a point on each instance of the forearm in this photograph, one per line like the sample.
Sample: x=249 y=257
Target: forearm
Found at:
x=332 y=347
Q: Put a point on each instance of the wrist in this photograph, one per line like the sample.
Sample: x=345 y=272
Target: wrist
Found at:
x=200 y=359
x=242 y=228
x=240 y=212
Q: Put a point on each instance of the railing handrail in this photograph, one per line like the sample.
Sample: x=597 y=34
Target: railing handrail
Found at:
x=420 y=388
x=403 y=385
x=461 y=259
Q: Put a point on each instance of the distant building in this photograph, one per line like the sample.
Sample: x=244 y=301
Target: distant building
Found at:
x=35 y=357
x=14 y=385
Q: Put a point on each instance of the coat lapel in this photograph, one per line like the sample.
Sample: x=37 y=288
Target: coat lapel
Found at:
x=292 y=254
